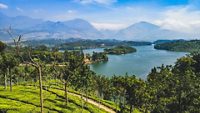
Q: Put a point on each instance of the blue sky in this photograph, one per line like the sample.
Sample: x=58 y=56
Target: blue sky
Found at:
x=181 y=15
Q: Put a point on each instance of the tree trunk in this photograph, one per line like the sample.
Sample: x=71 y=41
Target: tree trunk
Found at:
x=66 y=96
x=131 y=108
x=10 y=79
x=5 y=81
x=179 y=102
x=82 y=102
x=10 y=83
x=180 y=94
x=40 y=83
x=86 y=94
x=99 y=101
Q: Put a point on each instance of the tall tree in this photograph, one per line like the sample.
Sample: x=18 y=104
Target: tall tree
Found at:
x=9 y=62
x=37 y=63
x=2 y=47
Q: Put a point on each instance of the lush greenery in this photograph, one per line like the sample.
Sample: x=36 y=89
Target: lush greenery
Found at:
x=99 y=57
x=74 y=43
x=181 y=45
x=61 y=86
x=120 y=50
x=25 y=99
x=166 y=41
x=77 y=44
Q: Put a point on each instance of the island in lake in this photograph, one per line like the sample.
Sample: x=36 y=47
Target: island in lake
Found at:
x=96 y=57
x=118 y=50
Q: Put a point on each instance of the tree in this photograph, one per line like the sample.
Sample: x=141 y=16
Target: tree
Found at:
x=8 y=62
x=186 y=85
x=67 y=73
x=134 y=90
x=37 y=63
x=74 y=63
x=2 y=47
x=160 y=84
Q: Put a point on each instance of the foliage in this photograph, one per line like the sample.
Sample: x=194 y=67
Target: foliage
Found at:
x=120 y=50
x=168 y=89
x=98 y=57
x=182 y=46
x=2 y=46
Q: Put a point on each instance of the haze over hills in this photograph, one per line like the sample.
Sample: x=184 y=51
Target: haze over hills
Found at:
x=79 y=28
x=147 y=31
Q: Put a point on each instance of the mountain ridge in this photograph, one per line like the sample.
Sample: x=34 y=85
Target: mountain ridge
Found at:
x=80 y=28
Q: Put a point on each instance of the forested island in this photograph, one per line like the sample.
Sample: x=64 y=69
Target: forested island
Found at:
x=96 y=57
x=180 y=46
x=118 y=50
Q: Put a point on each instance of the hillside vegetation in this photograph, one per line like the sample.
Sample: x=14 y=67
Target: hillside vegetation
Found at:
x=25 y=99
x=120 y=50
x=46 y=80
x=181 y=46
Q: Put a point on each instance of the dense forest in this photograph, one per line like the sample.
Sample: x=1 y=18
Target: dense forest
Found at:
x=118 y=50
x=46 y=80
x=181 y=46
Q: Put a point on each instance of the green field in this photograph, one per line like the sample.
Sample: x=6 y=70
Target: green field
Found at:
x=25 y=99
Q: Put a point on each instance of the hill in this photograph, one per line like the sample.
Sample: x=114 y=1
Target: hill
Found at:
x=40 y=29
x=79 y=28
x=182 y=46
x=28 y=101
x=120 y=50
x=148 y=31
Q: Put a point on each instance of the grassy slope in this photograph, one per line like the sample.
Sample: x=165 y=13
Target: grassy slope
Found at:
x=25 y=99
x=109 y=104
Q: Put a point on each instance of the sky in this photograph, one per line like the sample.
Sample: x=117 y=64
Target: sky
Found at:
x=178 y=15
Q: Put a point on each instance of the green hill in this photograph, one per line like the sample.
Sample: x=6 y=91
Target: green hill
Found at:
x=120 y=50
x=181 y=46
x=25 y=99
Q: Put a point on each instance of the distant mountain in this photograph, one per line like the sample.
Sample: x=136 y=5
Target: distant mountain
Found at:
x=78 y=28
x=109 y=34
x=39 y=29
x=18 y=22
x=147 y=31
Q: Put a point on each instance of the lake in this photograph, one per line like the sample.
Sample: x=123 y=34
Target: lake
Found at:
x=139 y=63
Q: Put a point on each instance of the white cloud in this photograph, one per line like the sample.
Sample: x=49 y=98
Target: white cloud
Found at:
x=3 y=6
x=71 y=11
x=106 y=2
x=180 y=19
x=19 y=9
x=110 y=26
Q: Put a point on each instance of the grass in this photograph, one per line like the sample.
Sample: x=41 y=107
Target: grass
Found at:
x=107 y=103
x=25 y=99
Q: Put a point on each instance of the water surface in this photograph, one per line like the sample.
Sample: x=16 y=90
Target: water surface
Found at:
x=139 y=63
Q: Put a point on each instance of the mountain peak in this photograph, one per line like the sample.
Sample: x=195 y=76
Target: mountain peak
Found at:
x=78 y=21
x=144 y=24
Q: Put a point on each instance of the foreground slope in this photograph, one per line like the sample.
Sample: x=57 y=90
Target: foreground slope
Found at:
x=25 y=99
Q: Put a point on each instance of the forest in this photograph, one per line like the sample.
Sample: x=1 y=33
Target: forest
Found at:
x=76 y=43
x=46 y=80
x=180 y=46
x=118 y=50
